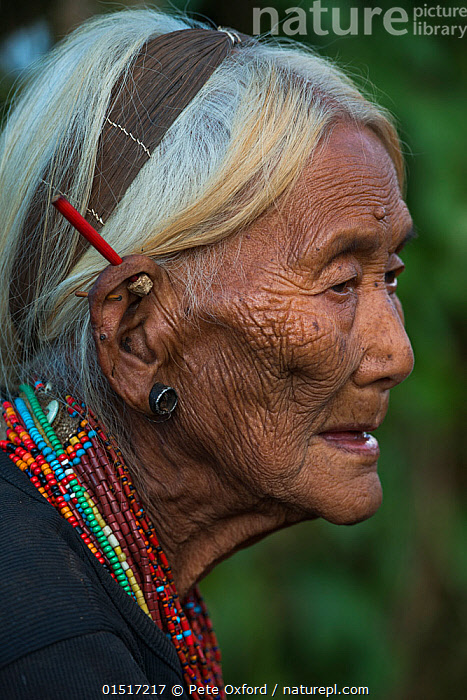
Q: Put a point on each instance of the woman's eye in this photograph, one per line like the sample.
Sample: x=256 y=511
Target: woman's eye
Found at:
x=344 y=287
x=390 y=279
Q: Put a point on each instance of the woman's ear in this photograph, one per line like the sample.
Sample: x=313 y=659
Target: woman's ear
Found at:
x=131 y=332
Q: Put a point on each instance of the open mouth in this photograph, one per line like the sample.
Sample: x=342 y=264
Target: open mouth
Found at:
x=352 y=440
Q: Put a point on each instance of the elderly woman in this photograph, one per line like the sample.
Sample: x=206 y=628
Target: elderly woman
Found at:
x=255 y=197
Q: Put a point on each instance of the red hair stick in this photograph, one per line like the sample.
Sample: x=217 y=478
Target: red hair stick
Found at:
x=86 y=230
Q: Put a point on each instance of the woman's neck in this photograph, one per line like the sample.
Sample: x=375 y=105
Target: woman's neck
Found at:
x=199 y=518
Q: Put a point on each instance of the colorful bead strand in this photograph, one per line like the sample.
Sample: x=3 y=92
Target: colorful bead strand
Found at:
x=86 y=480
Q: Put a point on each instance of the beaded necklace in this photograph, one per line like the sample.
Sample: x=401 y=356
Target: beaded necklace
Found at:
x=84 y=476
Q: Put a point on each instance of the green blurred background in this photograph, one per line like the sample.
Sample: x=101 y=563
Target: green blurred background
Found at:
x=381 y=604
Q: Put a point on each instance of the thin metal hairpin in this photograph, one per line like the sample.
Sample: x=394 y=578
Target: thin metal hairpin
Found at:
x=232 y=34
x=140 y=284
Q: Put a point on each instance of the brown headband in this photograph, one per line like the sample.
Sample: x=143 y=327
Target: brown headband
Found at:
x=167 y=73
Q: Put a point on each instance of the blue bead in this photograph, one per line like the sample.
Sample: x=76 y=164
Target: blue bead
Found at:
x=159 y=589
x=76 y=460
x=92 y=433
x=179 y=636
x=187 y=633
x=87 y=445
x=80 y=453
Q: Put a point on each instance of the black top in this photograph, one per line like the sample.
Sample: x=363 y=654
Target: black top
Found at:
x=68 y=631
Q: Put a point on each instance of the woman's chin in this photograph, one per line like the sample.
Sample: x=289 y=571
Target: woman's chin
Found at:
x=359 y=501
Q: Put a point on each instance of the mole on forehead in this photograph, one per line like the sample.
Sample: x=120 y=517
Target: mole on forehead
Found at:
x=365 y=229
x=379 y=213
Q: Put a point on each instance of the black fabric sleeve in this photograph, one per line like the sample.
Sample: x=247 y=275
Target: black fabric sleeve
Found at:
x=81 y=668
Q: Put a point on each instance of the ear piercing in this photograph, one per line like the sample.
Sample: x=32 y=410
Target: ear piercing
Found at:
x=110 y=297
x=140 y=284
x=162 y=400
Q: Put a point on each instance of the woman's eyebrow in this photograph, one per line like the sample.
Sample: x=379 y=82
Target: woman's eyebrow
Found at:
x=349 y=242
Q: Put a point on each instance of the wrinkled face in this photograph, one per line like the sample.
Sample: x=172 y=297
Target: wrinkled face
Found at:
x=284 y=380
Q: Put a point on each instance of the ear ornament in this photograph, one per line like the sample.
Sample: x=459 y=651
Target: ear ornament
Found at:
x=140 y=284
x=163 y=400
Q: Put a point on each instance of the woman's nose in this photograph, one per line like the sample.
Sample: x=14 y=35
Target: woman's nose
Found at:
x=387 y=355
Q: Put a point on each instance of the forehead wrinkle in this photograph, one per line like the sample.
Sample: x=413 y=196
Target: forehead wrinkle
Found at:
x=329 y=196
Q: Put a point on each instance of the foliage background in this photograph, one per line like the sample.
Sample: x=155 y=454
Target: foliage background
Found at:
x=381 y=604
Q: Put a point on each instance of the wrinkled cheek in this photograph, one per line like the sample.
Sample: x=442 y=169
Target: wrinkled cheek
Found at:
x=318 y=349
x=298 y=340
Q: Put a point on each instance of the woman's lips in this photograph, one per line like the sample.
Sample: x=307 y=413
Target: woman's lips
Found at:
x=353 y=441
